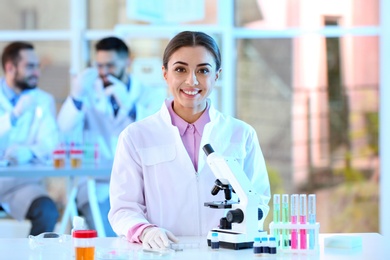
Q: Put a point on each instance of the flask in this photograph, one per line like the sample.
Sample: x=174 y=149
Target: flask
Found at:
x=84 y=244
x=214 y=241
x=257 y=247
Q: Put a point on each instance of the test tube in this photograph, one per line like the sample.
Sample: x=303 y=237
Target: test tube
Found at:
x=312 y=219
x=302 y=220
x=285 y=219
x=276 y=216
x=294 y=220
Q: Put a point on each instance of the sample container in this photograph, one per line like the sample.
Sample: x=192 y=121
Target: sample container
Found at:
x=214 y=241
x=76 y=157
x=59 y=156
x=84 y=244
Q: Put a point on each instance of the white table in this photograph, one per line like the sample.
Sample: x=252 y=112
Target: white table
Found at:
x=95 y=170
x=102 y=169
x=375 y=247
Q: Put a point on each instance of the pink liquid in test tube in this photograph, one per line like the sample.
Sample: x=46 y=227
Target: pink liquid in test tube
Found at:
x=302 y=220
x=294 y=220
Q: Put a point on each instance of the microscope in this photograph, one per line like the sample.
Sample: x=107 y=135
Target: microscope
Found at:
x=240 y=226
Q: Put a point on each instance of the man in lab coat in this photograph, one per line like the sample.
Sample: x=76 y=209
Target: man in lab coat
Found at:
x=104 y=99
x=28 y=133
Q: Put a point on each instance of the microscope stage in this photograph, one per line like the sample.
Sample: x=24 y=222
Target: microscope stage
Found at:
x=220 y=204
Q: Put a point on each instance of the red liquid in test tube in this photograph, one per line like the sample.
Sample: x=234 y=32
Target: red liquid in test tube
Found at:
x=294 y=220
x=302 y=220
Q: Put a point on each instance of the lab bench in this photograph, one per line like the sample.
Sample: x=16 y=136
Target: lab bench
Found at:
x=374 y=246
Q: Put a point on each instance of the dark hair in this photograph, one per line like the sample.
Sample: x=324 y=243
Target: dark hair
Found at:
x=113 y=44
x=192 y=39
x=12 y=52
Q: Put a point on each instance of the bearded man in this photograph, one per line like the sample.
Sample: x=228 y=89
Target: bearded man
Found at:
x=103 y=100
x=28 y=134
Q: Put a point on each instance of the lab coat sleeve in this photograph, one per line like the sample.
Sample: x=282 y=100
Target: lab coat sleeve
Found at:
x=127 y=200
x=70 y=118
x=256 y=169
x=5 y=123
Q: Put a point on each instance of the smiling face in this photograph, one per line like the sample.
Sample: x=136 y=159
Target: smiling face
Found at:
x=191 y=75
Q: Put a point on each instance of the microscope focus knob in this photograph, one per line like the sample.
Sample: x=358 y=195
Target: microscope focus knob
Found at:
x=224 y=224
x=235 y=216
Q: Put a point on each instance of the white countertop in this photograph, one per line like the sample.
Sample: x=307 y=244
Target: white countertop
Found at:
x=375 y=247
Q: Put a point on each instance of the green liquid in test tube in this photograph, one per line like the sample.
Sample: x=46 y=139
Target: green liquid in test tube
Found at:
x=276 y=216
x=285 y=219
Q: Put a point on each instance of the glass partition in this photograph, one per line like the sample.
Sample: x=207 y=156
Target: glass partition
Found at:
x=314 y=103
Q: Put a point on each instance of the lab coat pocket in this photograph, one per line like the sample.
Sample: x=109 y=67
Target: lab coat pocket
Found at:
x=158 y=154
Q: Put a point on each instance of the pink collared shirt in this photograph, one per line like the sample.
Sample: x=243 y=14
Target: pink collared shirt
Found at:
x=191 y=135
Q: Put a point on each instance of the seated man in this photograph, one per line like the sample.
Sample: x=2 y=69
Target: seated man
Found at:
x=28 y=132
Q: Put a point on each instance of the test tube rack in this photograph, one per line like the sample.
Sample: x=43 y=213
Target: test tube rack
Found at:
x=289 y=226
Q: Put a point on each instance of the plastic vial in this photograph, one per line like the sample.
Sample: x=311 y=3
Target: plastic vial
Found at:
x=76 y=156
x=272 y=245
x=264 y=242
x=84 y=244
x=214 y=241
x=257 y=246
x=59 y=156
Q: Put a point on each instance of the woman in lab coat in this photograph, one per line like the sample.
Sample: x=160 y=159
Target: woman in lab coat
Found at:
x=160 y=178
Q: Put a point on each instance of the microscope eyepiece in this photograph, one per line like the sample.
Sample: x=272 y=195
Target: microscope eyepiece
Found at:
x=208 y=149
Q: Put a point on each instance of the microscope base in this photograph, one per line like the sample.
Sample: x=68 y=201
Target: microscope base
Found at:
x=233 y=240
x=235 y=246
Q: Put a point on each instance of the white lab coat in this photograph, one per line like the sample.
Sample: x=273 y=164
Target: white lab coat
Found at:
x=36 y=129
x=154 y=181
x=96 y=123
